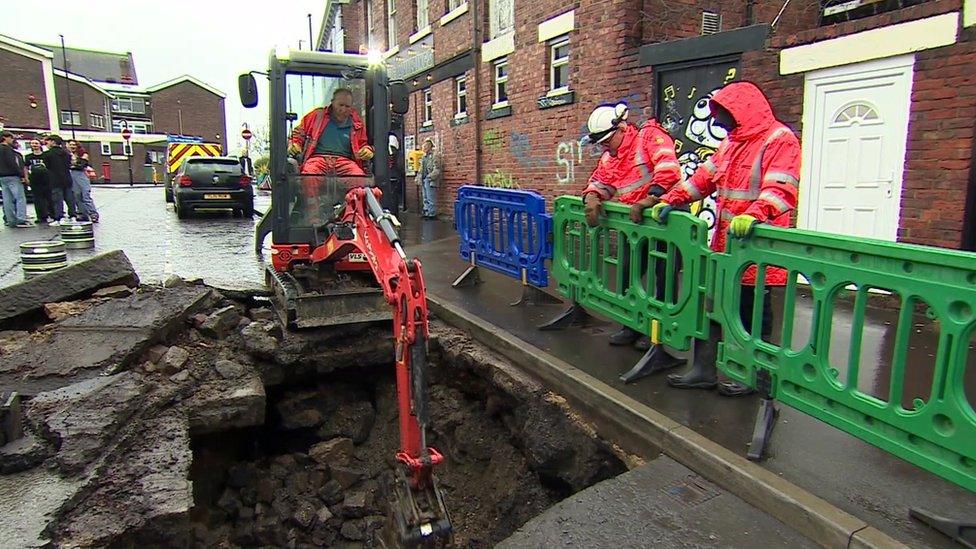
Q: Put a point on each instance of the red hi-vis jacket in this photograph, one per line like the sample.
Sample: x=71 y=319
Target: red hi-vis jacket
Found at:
x=645 y=163
x=306 y=135
x=755 y=170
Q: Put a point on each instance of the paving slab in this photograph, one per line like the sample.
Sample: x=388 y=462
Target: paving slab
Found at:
x=660 y=504
x=223 y=404
x=105 y=338
x=28 y=501
x=76 y=280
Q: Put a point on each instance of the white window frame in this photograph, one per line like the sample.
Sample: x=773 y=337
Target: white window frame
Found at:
x=499 y=81
x=555 y=63
x=501 y=17
x=127 y=148
x=106 y=149
x=70 y=118
x=97 y=121
x=428 y=107
x=369 y=23
x=461 y=95
x=391 y=30
x=117 y=105
x=454 y=4
x=423 y=14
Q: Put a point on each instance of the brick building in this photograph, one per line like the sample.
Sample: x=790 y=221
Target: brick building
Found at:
x=879 y=92
x=98 y=94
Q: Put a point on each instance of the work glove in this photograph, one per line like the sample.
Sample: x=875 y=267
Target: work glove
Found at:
x=660 y=212
x=741 y=225
x=593 y=208
x=637 y=210
x=365 y=154
x=294 y=149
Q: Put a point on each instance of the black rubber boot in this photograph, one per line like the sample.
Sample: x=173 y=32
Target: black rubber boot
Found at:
x=734 y=389
x=643 y=344
x=625 y=336
x=703 y=374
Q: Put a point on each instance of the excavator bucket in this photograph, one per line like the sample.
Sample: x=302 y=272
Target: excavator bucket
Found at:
x=303 y=303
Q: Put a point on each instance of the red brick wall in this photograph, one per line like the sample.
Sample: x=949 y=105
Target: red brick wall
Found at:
x=203 y=112
x=23 y=76
x=84 y=99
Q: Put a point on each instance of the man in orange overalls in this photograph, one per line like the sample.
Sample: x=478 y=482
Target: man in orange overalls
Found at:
x=756 y=171
x=637 y=166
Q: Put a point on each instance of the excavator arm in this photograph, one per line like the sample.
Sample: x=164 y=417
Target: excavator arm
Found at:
x=418 y=514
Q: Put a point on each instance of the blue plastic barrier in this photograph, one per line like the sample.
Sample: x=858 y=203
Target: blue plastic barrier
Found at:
x=506 y=231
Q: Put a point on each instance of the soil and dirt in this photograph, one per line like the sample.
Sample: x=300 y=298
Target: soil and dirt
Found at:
x=230 y=432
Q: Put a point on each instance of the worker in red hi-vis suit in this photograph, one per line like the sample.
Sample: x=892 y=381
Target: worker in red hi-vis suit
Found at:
x=756 y=171
x=637 y=166
x=332 y=141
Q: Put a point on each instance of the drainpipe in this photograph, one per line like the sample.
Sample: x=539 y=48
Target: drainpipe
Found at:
x=476 y=54
x=750 y=12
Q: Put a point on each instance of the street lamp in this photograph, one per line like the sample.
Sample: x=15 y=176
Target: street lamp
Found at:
x=67 y=84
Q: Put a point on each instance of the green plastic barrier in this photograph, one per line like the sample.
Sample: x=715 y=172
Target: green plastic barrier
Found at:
x=938 y=433
x=590 y=266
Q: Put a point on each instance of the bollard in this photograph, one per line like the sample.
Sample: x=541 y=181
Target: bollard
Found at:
x=79 y=235
x=42 y=256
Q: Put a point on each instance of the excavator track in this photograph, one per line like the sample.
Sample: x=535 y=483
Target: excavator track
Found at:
x=303 y=304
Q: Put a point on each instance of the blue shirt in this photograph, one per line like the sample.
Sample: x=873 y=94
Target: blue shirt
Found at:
x=335 y=139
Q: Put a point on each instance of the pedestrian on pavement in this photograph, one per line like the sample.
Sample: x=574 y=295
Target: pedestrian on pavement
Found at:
x=81 y=184
x=58 y=163
x=40 y=183
x=429 y=177
x=637 y=167
x=13 y=180
x=756 y=172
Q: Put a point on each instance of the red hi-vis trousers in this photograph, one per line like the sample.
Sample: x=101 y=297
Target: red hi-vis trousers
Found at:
x=324 y=165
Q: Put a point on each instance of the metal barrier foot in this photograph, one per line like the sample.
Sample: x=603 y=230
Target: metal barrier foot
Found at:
x=655 y=360
x=763 y=430
x=534 y=296
x=963 y=533
x=470 y=277
x=574 y=316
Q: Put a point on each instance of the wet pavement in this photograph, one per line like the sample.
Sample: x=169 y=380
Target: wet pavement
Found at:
x=852 y=475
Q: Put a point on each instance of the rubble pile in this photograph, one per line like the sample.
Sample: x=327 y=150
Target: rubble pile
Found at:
x=182 y=415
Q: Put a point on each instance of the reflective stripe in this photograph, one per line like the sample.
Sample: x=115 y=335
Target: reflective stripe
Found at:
x=666 y=165
x=691 y=189
x=755 y=182
x=782 y=177
x=727 y=215
x=665 y=150
x=710 y=166
x=774 y=199
x=602 y=188
x=738 y=194
x=641 y=163
x=635 y=185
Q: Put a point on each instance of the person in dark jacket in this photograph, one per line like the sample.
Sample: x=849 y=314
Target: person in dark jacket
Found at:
x=40 y=183
x=13 y=178
x=81 y=184
x=58 y=162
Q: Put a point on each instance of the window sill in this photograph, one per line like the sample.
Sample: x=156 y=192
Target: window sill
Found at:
x=426 y=127
x=391 y=52
x=499 y=46
x=498 y=111
x=454 y=14
x=417 y=36
x=459 y=119
x=556 y=98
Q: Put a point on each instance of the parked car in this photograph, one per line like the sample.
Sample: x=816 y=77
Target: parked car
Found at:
x=210 y=182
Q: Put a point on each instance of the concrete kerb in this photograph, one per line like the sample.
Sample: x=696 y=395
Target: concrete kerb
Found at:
x=642 y=430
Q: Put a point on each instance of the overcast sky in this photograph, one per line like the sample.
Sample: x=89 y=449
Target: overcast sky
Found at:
x=211 y=40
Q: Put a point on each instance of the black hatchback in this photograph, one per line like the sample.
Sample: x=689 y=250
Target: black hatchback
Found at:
x=212 y=182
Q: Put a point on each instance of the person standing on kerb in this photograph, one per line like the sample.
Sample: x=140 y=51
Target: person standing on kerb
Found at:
x=637 y=167
x=756 y=172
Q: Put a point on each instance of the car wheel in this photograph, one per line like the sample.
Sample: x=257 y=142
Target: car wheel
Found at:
x=248 y=209
x=238 y=213
x=169 y=194
x=182 y=211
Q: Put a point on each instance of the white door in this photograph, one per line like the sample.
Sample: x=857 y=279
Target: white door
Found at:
x=855 y=126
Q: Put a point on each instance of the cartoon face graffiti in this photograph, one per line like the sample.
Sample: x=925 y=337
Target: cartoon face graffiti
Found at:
x=701 y=127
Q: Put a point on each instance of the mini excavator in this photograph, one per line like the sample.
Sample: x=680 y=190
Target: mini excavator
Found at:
x=336 y=259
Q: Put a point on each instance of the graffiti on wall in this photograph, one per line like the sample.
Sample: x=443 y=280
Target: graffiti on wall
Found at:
x=500 y=180
x=521 y=149
x=569 y=155
x=492 y=139
x=683 y=112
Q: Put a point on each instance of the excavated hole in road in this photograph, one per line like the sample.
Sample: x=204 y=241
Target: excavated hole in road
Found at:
x=310 y=476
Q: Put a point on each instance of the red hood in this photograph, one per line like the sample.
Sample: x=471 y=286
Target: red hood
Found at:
x=748 y=106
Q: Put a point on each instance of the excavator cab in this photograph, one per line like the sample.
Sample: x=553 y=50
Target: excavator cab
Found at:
x=336 y=258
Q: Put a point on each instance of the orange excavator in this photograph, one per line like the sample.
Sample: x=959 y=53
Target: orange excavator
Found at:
x=336 y=259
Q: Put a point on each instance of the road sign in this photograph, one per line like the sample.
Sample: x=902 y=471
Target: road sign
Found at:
x=126 y=133
x=246 y=134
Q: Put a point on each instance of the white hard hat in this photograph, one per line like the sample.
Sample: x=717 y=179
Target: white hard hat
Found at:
x=604 y=120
